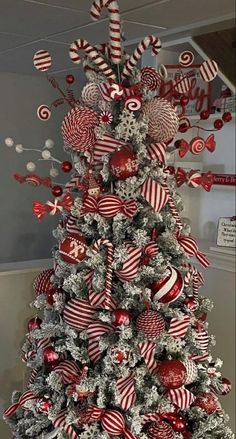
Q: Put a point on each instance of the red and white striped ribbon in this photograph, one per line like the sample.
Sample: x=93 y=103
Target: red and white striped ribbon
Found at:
x=130 y=267
x=25 y=397
x=125 y=387
x=157 y=151
x=189 y=244
x=182 y=397
x=154 y=194
x=147 y=351
x=151 y=417
x=107 y=145
x=194 y=276
x=69 y=372
x=173 y=209
x=151 y=249
x=202 y=339
x=179 y=328
x=44 y=343
x=73 y=183
x=200 y=358
x=60 y=422
x=32 y=377
x=115 y=25
x=71 y=226
x=95 y=331
x=79 y=314
x=109 y=206
x=137 y=55
x=104 y=88
x=93 y=54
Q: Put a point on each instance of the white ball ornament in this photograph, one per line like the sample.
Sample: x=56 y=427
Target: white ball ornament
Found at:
x=31 y=166
x=19 y=148
x=54 y=172
x=46 y=154
x=49 y=143
x=9 y=142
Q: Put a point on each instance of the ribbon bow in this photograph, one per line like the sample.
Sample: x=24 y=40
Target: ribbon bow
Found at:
x=194 y=179
x=53 y=207
x=112 y=421
x=189 y=244
x=69 y=372
x=25 y=397
x=183 y=146
x=61 y=423
x=108 y=206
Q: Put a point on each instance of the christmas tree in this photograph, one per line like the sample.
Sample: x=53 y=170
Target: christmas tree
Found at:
x=120 y=346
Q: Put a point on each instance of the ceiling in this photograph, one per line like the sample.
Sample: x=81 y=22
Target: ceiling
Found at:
x=29 y=25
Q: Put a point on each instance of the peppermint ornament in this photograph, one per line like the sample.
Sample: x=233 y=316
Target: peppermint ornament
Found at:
x=186 y=58
x=106 y=117
x=116 y=92
x=44 y=113
x=73 y=249
x=123 y=164
x=172 y=374
x=151 y=323
x=160 y=430
x=78 y=129
x=208 y=70
x=223 y=387
x=163 y=122
x=150 y=78
x=197 y=145
x=42 y=60
x=90 y=94
x=168 y=289
x=133 y=103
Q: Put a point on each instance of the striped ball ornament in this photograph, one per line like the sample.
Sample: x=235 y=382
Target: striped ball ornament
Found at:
x=170 y=288
x=78 y=129
x=163 y=121
x=151 y=323
x=43 y=284
x=160 y=430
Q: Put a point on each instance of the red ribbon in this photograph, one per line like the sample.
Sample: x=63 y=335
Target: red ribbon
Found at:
x=108 y=206
x=184 y=146
x=53 y=207
x=194 y=177
x=26 y=396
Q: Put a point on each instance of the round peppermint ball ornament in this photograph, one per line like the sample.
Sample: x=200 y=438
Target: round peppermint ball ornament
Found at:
x=78 y=129
x=163 y=121
x=168 y=289
x=123 y=164
x=172 y=374
x=73 y=249
x=160 y=430
x=151 y=323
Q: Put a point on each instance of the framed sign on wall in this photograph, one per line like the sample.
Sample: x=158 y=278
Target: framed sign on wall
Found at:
x=226 y=235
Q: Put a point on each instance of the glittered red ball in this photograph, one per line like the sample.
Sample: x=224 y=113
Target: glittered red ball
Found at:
x=57 y=191
x=227 y=116
x=208 y=402
x=123 y=164
x=184 y=100
x=121 y=317
x=172 y=374
x=50 y=356
x=168 y=289
x=190 y=303
x=160 y=430
x=218 y=124
x=73 y=249
x=70 y=79
x=66 y=166
x=176 y=421
x=151 y=323
x=205 y=114
x=34 y=323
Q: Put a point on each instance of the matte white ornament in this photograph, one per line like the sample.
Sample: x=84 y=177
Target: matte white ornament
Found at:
x=31 y=166
x=49 y=143
x=46 y=154
x=53 y=172
x=9 y=142
x=19 y=148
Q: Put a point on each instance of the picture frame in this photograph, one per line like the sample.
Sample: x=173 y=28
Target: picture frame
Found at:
x=226 y=232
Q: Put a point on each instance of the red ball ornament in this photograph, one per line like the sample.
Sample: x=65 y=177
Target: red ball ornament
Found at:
x=73 y=249
x=57 y=191
x=218 y=124
x=34 y=323
x=151 y=323
x=123 y=164
x=118 y=356
x=172 y=374
x=224 y=387
x=160 y=430
x=66 y=166
x=227 y=116
x=70 y=79
x=43 y=405
x=190 y=303
x=205 y=114
x=208 y=402
x=184 y=100
x=169 y=289
x=121 y=317
x=184 y=125
x=43 y=285
x=50 y=356
x=177 y=422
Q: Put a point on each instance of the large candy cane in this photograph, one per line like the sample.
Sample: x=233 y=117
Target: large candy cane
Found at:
x=137 y=55
x=115 y=25
x=93 y=54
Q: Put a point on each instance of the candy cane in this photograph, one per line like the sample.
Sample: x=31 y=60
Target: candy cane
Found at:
x=92 y=54
x=137 y=55
x=115 y=25
x=173 y=209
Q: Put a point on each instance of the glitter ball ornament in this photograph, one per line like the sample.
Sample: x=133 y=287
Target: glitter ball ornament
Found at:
x=192 y=371
x=31 y=166
x=46 y=155
x=176 y=421
x=9 y=142
x=53 y=172
x=57 y=191
x=218 y=124
x=49 y=143
x=208 y=402
x=78 y=129
x=150 y=78
x=151 y=323
x=121 y=317
x=50 y=356
x=73 y=249
x=19 y=148
x=172 y=374
x=205 y=114
x=34 y=323
x=169 y=289
x=163 y=122
x=227 y=116
x=160 y=430
x=123 y=164
x=66 y=166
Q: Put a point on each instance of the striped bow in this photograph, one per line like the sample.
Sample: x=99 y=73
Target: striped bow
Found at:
x=53 y=207
x=108 y=206
x=112 y=421
x=182 y=397
x=189 y=244
x=147 y=351
x=25 y=397
x=131 y=265
x=69 y=372
x=125 y=387
x=107 y=145
x=95 y=331
x=157 y=151
x=179 y=327
x=154 y=194
x=79 y=314
x=60 y=422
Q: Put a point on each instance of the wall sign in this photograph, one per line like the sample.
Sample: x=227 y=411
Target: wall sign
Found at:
x=224 y=179
x=226 y=236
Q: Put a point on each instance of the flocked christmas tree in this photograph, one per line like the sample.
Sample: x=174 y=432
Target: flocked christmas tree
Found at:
x=120 y=346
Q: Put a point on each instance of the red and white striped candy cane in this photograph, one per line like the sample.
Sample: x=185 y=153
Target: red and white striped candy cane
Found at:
x=108 y=303
x=93 y=54
x=115 y=25
x=173 y=209
x=150 y=40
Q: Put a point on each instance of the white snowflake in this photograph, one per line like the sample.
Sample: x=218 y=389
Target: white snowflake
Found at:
x=128 y=126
